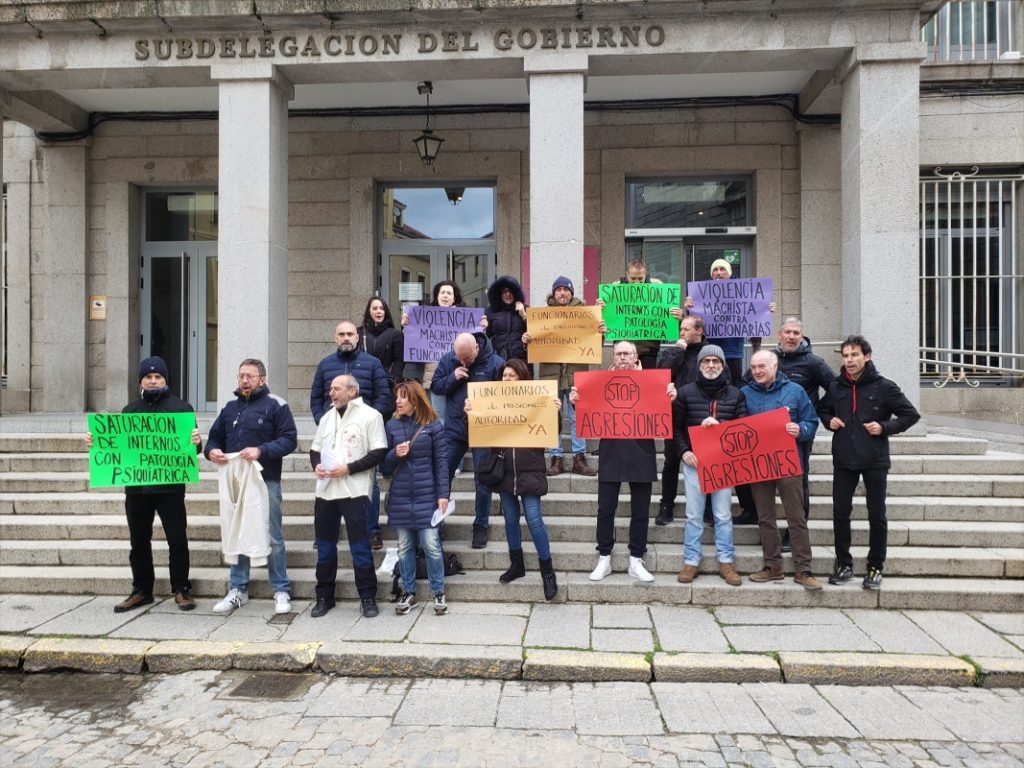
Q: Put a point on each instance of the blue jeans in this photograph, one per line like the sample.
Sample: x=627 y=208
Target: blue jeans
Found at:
x=534 y=521
x=721 y=508
x=373 y=507
x=579 y=445
x=440 y=403
x=456 y=450
x=277 y=562
x=430 y=540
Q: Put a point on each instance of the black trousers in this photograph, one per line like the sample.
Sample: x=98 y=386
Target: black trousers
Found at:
x=670 y=475
x=640 y=514
x=805 y=464
x=844 y=483
x=140 y=509
x=327 y=517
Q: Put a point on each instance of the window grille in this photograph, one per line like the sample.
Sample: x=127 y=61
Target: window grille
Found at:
x=965 y=31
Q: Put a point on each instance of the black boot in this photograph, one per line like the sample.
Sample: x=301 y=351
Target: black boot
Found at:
x=516 y=570
x=665 y=515
x=547 y=575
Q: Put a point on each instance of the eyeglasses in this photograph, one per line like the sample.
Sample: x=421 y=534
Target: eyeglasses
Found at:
x=249 y=376
x=711 y=361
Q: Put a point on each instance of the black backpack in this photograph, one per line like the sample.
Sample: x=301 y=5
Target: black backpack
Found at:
x=452 y=567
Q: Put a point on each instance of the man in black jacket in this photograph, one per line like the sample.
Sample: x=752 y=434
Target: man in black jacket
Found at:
x=862 y=408
x=259 y=426
x=141 y=502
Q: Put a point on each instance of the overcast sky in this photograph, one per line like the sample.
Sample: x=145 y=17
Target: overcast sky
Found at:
x=429 y=211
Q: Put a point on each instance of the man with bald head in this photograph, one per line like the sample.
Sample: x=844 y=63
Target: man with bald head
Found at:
x=472 y=359
x=769 y=391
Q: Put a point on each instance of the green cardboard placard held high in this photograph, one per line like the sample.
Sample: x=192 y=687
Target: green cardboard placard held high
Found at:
x=142 y=449
x=640 y=311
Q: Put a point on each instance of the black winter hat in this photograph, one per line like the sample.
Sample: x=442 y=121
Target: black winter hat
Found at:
x=563 y=282
x=153 y=365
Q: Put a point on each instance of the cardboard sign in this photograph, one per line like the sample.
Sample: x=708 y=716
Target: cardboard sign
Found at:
x=513 y=414
x=430 y=332
x=640 y=311
x=142 y=449
x=748 y=450
x=733 y=309
x=563 y=334
x=623 y=405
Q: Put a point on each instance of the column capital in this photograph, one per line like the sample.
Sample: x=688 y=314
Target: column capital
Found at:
x=913 y=52
x=555 y=63
x=253 y=71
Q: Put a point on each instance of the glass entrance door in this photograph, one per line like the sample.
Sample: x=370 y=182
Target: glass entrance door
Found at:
x=178 y=301
x=410 y=269
x=684 y=259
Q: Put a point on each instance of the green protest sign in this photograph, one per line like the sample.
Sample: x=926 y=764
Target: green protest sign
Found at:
x=142 y=449
x=640 y=311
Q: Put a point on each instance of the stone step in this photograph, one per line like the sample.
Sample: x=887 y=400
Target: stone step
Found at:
x=65 y=442
x=998 y=509
x=991 y=463
x=569 y=556
x=912 y=533
x=979 y=486
x=957 y=594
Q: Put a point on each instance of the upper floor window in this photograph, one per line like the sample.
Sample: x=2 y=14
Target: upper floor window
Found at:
x=678 y=203
x=974 y=30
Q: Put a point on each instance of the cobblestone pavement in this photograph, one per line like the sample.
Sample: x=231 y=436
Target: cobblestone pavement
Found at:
x=202 y=719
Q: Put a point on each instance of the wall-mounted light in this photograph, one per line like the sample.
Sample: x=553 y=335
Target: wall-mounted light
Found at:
x=427 y=144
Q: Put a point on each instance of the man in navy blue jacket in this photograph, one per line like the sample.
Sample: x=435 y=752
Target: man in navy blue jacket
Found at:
x=259 y=426
x=350 y=360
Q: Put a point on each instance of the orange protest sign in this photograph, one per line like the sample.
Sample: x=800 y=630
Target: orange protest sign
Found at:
x=748 y=450
x=623 y=405
x=513 y=414
x=563 y=334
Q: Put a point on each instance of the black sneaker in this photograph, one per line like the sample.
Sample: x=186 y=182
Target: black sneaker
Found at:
x=786 y=545
x=665 y=515
x=369 y=607
x=479 y=537
x=874 y=578
x=840 y=574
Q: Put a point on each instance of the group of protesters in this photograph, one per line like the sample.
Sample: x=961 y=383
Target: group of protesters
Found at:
x=414 y=430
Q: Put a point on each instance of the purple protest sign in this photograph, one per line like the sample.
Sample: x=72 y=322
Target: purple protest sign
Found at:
x=431 y=330
x=733 y=309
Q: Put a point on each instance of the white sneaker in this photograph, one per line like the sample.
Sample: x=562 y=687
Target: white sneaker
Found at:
x=604 y=568
x=235 y=598
x=638 y=571
x=282 y=602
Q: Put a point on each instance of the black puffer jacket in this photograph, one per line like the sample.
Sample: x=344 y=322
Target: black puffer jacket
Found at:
x=525 y=472
x=505 y=327
x=681 y=362
x=871 y=398
x=385 y=342
x=702 y=398
x=806 y=369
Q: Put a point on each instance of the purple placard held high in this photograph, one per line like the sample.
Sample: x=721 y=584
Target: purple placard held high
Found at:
x=733 y=308
x=430 y=332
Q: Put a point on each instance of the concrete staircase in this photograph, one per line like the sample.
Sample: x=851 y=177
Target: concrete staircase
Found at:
x=956 y=534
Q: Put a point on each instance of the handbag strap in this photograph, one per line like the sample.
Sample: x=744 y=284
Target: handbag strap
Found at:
x=401 y=461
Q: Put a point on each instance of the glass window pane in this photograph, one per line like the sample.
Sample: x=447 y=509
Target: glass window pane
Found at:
x=438 y=213
x=181 y=216
x=696 y=203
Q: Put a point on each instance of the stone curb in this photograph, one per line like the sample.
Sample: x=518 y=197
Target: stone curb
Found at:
x=585 y=666
x=420 y=660
x=1001 y=673
x=875 y=669
x=716 y=668
x=276 y=656
x=12 y=648
x=186 y=655
x=86 y=655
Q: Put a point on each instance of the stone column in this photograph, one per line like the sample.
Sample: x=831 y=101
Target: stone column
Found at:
x=556 y=171
x=880 y=97
x=61 y=340
x=252 y=245
x=20 y=149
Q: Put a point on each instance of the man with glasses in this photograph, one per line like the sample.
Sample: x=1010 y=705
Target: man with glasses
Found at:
x=631 y=461
x=258 y=426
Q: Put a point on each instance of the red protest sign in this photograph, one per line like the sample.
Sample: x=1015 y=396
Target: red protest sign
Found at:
x=748 y=450
x=623 y=405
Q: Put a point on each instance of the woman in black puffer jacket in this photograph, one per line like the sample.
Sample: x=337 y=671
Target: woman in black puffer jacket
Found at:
x=506 y=318
x=525 y=479
x=379 y=337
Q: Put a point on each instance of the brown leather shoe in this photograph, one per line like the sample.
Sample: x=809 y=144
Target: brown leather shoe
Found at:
x=580 y=466
x=766 y=574
x=134 y=600
x=728 y=572
x=557 y=466
x=688 y=574
x=184 y=601
x=807 y=581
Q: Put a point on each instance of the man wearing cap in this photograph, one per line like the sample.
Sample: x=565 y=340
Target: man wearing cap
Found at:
x=260 y=427
x=563 y=295
x=706 y=402
x=142 y=502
